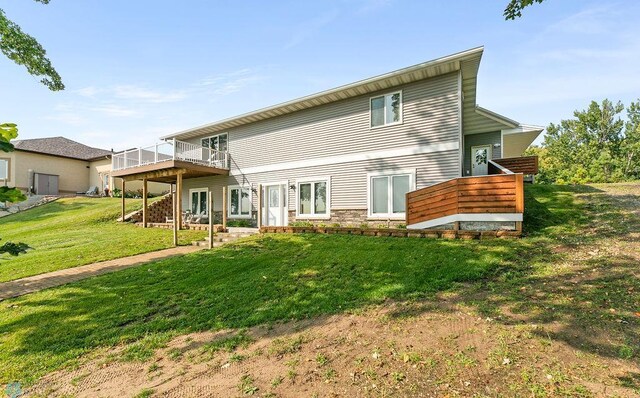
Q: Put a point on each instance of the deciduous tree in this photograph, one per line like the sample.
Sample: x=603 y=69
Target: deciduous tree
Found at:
x=595 y=146
x=515 y=7
x=25 y=50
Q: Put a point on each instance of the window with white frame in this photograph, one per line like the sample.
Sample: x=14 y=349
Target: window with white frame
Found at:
x=198 y=200
x=387 y=193
x=386 y=109
x=4 y=169
x=313 y=198
x=240 y=202
x=218 y=142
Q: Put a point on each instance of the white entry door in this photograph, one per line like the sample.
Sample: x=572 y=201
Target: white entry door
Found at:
x=480 y=156
x=275 y=205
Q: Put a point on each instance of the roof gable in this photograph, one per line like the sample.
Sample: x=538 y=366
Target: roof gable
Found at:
x=425 y=70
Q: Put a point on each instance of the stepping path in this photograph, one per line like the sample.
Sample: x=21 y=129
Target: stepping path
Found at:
x=36 y=283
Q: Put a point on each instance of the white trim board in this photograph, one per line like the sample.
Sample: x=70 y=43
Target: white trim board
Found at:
x=352 y=157
x=479 y=217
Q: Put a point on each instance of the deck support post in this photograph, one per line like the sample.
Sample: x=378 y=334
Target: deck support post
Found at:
x=174 y=197
x=259 y=221
x=179 y=199
x=224 y=208
x=145 y=210
x=122 y=193
x=210 y=209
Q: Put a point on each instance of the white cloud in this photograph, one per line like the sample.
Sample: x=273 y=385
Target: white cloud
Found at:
x=88 y=92
x=373 y=5
x=115 y=110
x=309 y=28
x=228 y=83
x=133 y=92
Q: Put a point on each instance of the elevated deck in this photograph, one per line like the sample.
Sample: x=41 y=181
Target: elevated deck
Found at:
x=163 y=162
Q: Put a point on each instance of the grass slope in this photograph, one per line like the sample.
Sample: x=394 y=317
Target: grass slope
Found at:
x=77 y=231
x=277 y=278
x=263 y=279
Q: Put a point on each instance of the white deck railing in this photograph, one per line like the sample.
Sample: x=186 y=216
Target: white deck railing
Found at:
x=170 y=150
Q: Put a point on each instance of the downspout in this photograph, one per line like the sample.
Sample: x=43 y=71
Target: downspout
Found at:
x=460 y=105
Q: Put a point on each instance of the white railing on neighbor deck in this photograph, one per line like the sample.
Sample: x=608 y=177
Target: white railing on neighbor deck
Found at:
x=170 y=150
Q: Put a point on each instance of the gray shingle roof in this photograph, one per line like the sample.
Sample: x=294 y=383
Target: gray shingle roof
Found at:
x=60 y=146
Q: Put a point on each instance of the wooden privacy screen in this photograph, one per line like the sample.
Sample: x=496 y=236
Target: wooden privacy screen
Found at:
x=502 y=193
x=524 y=164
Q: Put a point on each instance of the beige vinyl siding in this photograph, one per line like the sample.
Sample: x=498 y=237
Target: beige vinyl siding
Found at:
x=348 y=180
x=429 y=116
x=473 y=122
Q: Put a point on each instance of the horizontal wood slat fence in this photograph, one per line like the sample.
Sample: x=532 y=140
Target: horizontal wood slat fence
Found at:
x=502 y=193
x=524 y=164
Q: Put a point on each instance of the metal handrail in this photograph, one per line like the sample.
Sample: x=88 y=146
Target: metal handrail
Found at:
x=170 y=150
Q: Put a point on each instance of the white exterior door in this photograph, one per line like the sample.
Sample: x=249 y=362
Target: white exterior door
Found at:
x=480 y=156
x=275 y=205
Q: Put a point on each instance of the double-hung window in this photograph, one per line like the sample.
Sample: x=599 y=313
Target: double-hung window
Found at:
x=218 y=142
x=198 y=200
x=313 y=198
x=386 y=109
x=4 y=169
x=239 y=202
x=387 y=192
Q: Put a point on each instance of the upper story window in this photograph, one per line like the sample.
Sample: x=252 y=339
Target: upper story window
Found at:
x=4 y=169
x=218 y=142
x=386 y=109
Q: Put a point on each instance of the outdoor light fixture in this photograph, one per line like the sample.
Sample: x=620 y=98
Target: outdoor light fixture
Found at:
x=292 y=187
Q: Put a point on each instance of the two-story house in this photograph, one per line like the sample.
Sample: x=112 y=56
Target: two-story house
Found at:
x=348 y=155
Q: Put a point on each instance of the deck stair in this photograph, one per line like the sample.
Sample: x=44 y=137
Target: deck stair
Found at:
x=158 y=211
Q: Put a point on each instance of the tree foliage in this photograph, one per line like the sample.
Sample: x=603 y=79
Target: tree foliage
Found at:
x=24 y=49
x=595 y=146
x=515 y=7
x=9 y=131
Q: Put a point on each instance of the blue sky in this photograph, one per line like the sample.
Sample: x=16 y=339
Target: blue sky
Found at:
x=136 y=70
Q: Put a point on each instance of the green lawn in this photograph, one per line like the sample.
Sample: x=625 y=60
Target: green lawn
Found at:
x=76 y=231
x=274 y=278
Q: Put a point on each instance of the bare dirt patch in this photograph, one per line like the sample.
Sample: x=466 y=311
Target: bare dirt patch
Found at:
x=403 y=349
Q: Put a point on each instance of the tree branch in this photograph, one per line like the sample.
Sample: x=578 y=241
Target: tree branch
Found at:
x=25 y=50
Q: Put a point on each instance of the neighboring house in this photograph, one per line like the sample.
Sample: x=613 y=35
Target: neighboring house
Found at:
x=57 y=166
x=348 y=155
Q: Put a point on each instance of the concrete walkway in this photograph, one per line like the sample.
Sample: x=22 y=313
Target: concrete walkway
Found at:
x=36 y=283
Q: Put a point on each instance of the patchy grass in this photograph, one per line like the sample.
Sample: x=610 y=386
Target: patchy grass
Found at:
x=573 y=280
x=77 y=231
x=262 y=279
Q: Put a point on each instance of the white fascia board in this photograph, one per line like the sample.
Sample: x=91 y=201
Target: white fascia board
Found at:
x=496 y=117
x=478 y=217
x=524 y=128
